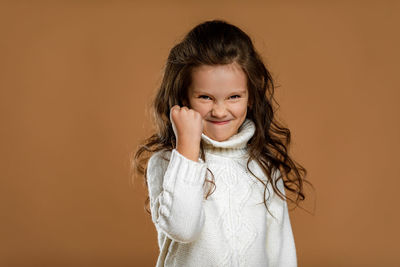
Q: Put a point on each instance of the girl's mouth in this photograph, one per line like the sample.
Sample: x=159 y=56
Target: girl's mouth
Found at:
x=219 y=122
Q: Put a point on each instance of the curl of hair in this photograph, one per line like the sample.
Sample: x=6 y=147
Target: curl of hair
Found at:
x=217 y=42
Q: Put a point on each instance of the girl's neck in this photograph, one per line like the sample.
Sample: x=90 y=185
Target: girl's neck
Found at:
x=235 y=146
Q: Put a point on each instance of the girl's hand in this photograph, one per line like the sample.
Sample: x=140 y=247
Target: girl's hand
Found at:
x=188 y=126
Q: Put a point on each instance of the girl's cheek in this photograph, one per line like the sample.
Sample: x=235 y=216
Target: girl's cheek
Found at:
x=204 y=111
x=201 y=108
x=204 y=107
x=239 y=107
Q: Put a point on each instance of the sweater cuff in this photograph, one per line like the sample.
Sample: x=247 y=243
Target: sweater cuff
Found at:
x=184 y=169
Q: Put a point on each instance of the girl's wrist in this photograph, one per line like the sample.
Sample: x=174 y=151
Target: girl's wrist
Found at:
x=189 y=152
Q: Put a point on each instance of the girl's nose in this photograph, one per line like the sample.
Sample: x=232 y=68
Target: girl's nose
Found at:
x=218 y=111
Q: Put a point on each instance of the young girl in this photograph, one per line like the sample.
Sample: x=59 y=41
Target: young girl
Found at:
x=219 y=166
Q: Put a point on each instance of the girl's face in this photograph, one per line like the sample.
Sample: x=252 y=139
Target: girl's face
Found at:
x=219 y=93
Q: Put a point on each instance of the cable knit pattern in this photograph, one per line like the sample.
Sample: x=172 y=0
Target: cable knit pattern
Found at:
x=230 y=228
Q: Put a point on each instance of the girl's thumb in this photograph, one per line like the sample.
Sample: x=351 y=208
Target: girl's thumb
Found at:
x=170 y=112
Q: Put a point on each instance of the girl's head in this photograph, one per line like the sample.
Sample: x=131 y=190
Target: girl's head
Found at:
x=219 y=93
x=216 y=71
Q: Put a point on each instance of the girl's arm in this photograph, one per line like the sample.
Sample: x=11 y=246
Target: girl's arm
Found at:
x=280 y=240
x=176 y=195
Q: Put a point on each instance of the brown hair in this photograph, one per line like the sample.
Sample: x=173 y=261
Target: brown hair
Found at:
x=217 y=42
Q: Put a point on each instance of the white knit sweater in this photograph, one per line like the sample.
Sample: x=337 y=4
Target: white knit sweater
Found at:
x=232 y=227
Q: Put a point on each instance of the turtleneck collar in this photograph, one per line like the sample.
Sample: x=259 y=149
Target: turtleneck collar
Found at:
x=235 y=146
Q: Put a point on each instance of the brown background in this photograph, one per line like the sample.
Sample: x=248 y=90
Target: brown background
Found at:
x=77 y=77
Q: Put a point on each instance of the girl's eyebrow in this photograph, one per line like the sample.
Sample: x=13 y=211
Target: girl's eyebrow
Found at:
x=233 y=92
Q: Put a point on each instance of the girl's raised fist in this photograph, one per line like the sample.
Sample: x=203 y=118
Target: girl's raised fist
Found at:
x=188 y=126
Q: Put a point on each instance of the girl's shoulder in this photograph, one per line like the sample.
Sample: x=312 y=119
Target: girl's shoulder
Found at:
x=157 y=165
x=160 y=156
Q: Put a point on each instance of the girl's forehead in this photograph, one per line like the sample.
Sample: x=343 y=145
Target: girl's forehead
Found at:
x=227 y=78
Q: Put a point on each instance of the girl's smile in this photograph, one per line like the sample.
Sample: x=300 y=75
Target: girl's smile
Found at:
x=219 y=93
x=220 y=122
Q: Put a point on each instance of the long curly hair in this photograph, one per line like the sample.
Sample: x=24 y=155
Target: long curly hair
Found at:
x=217 y=42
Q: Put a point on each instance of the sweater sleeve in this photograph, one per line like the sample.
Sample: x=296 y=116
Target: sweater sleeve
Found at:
x=176 y=195
x=280 y=239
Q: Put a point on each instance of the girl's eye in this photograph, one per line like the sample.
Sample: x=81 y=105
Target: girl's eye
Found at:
x=207 y=97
